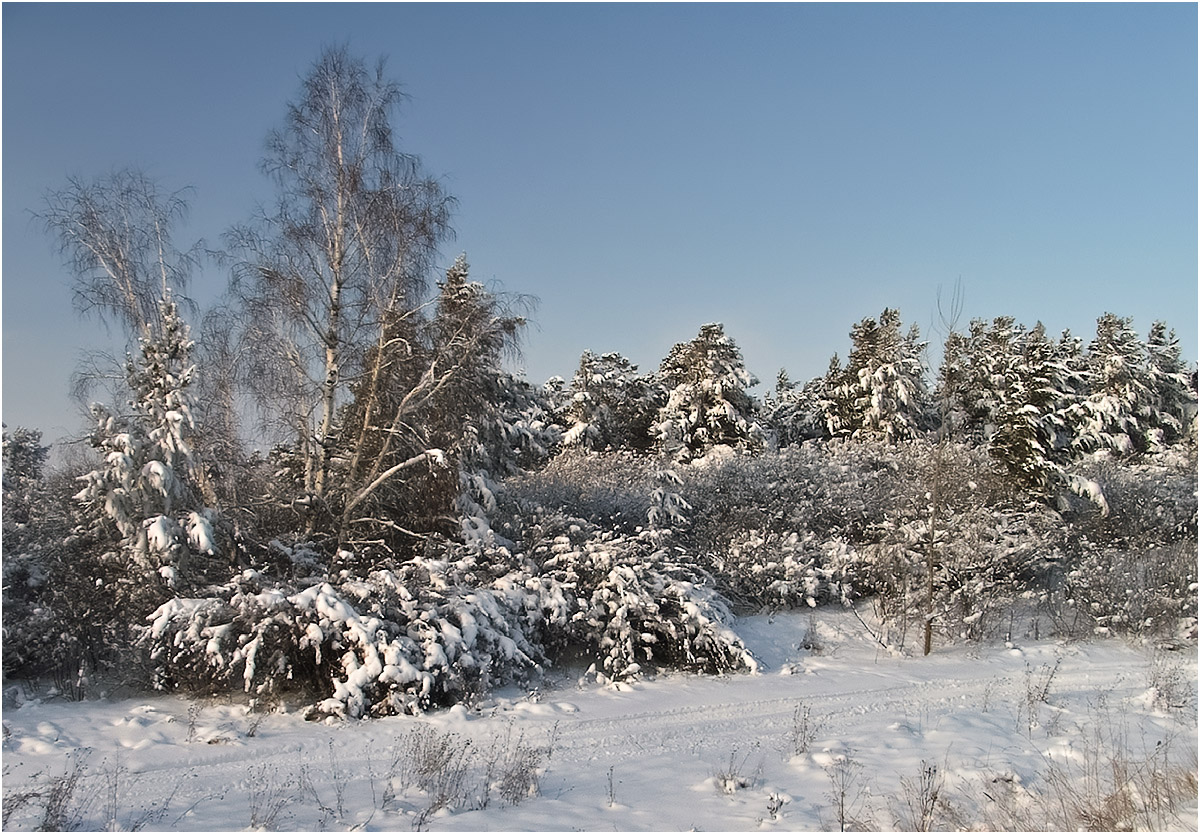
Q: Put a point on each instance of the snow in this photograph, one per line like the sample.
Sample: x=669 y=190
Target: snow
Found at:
x=161 y=532
x=200 y=534
x=674 y=752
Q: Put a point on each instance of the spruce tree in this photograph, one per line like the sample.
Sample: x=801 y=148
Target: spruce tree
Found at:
x=610 y=405
x=1118 y=410
x=1172 y=397
x=24 y=461
x=707 y=401
x=881 y=393
x=794 y=413
x=146 y=487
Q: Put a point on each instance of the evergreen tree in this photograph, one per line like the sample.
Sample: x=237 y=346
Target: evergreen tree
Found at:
x=511 y=433
x=24 y=461
x=610 y=405
x=147 y=486
x=965 y=380
x=1031 y=397
x=881 y=394
x=1172 y=395
x=707 y=402
x=1117 y=412
x=427 y=418
x=1019 y=393
x=794 y=413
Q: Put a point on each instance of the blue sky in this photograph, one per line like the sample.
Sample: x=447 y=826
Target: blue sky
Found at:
x=644 y=169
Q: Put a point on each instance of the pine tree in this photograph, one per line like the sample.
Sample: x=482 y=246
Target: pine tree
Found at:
x=1172 y=396
x=610 y=405
x=147 y=485
x=1029 y=389
x=794 y=413
x=1019 y=393
x=707 y=402
x=1118 y=410
x=511 y=433
x=425 y=423
x=881 y=394
x=24 y=460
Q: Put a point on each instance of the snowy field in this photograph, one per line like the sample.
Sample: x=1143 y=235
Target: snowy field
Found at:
x=834 y=734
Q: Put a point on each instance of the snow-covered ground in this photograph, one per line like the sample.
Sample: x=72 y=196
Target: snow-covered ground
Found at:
x=1008 y=736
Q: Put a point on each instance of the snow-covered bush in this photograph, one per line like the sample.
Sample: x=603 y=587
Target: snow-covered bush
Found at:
x=637 y=605
x=1152 y=591
x=432 y=632
x=1151 y=501
x=610 y=490
x=68 y=595
x=983 y=561
x=764 y=569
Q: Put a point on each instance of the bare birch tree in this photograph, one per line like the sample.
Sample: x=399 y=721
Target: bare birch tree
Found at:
x=115 y=234
x=345 y=251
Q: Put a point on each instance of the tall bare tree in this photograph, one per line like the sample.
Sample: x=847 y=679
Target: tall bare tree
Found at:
x=115 y=233
x=343 y=254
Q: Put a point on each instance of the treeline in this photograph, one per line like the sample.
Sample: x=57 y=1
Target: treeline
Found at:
x=426 y=525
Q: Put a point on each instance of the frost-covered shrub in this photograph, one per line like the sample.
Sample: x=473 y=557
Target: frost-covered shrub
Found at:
x=432 y=632
x=67 y=594
x=830 y=490
x=1146 y=591
x=635 y=604
x=610 y=490
x=763 y=569
x=1151 y=502
x=983 y=560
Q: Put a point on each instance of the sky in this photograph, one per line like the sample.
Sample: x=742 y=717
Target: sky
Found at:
x=642 y=169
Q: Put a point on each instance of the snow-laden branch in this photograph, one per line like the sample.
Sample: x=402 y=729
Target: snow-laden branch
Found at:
x=436 y=455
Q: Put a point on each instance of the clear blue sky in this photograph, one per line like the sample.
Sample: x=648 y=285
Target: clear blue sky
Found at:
x=644 y=169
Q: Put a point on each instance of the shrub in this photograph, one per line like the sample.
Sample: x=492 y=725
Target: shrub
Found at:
x=635 y=603
x=1150 y=591
x=431 y=633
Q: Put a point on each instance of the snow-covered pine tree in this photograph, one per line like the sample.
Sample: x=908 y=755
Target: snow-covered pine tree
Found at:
x=146 y=486
x=513 y=432
x=881 y=394
x=964 y=384
x=1173 y=398
x=431 y=392
x=1117 y=411
x=707 y=402
x=610 y=405
x=24 y=460
x=1037 y=392
x=794 y=413
x=1020 y=393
